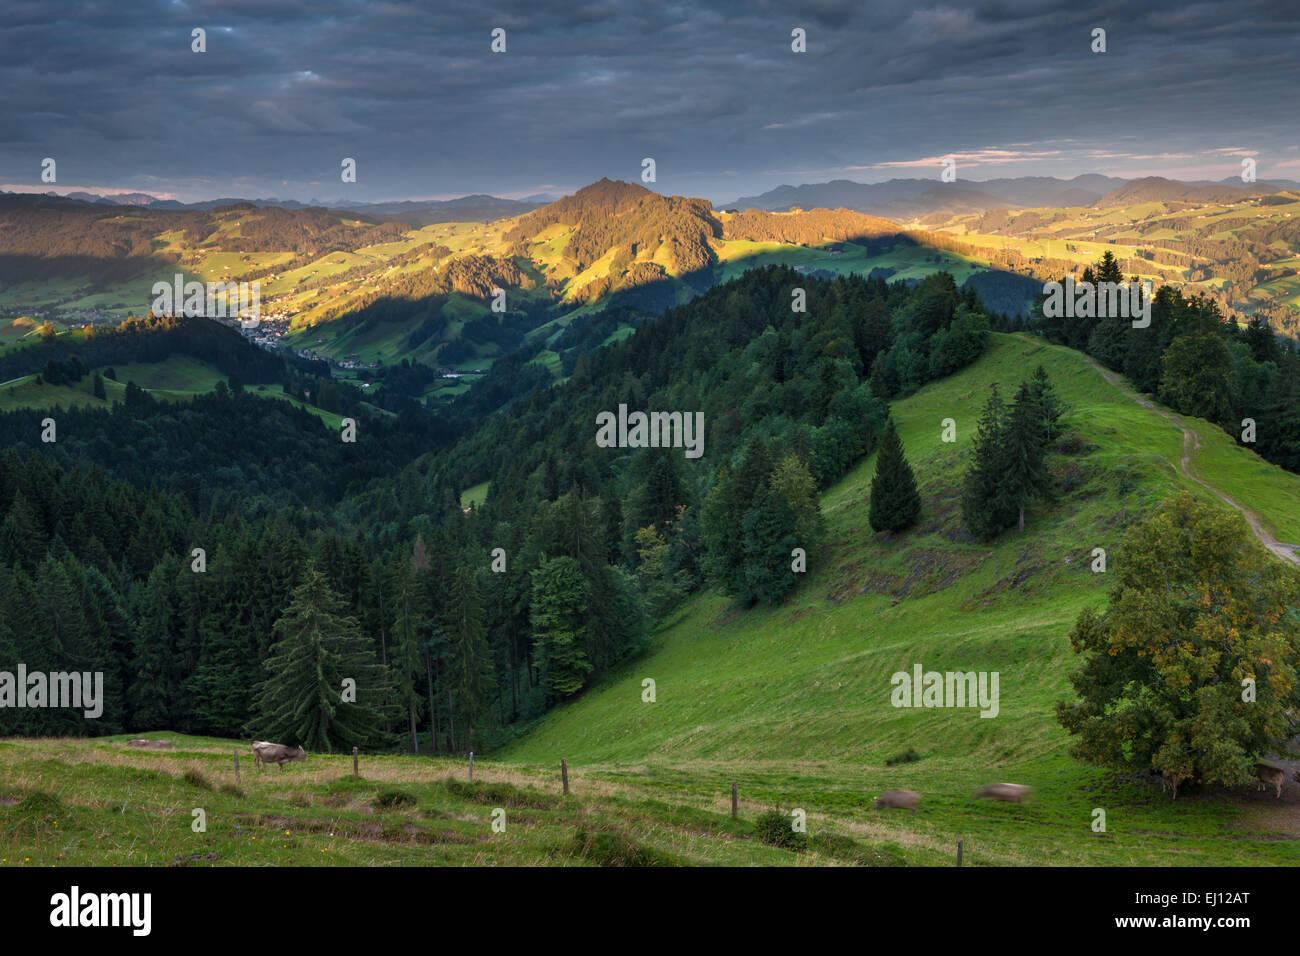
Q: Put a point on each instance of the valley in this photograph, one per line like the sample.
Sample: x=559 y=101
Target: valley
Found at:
x=384 y=292
x=792 y=704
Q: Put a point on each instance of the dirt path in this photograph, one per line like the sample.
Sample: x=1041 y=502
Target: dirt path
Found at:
x=1278 y=816
x=1191 y=444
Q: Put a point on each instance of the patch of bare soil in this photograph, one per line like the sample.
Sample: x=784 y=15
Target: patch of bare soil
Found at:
x=366 y=831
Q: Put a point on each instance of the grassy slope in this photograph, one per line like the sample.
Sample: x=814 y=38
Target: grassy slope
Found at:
x=66 y=802
x=1082 y=234
x=176 y=379
x=794 y=703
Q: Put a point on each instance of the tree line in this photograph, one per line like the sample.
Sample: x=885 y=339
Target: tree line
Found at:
x=459 y=624
x=1197 y=361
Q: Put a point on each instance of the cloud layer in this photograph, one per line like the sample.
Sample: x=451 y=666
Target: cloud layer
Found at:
x=711 y=90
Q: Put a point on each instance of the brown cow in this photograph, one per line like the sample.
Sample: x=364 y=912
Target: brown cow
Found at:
x=1266 y=775
x=267 y=752
x=1009 y=792
x=901 y=799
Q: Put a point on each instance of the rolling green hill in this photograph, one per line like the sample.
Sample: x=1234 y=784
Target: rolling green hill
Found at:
x=795 y=703
x=791 y=704
x=177 y=378
x=362 y=292
x=1239 y=250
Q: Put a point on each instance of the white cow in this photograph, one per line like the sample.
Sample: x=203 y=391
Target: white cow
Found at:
x=267 y=752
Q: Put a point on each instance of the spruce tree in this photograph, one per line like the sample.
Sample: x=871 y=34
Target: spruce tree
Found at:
x=558 y=609
x=405 y=664
x=984 y=506
x=792 y=480
x=1050 y=407
x=155 y=686
x=1023 y=443
x=1108 y=269
x=473 y=672
x=317 y=648
x=895 y=502
x=722 y=554
x=611 y=519
x=767 y=541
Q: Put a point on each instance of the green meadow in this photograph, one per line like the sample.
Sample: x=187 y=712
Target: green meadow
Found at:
x=792 y=704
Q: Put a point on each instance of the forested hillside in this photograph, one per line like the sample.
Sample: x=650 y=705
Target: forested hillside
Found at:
x=475 y=619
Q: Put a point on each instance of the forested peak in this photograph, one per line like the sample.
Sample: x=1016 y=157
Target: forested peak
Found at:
x=807 y=227
x=604 y=197
x=612 y=214
x=612 y=197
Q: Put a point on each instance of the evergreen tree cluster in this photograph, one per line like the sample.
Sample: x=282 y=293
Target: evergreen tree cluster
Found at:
x=349 y=599
x=754 y=519
x=1008 y=467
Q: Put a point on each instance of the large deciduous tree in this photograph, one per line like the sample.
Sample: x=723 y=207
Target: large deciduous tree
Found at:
x=1192 y=667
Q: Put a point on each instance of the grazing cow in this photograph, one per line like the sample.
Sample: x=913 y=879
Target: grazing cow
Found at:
x=267 y=752
x=1266 y=775
x=1009 y=792
x=902 y=799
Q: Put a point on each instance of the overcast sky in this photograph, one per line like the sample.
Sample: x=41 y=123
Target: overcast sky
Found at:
x=712 y=91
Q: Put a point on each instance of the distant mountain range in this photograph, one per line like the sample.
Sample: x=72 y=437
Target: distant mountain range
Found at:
x=926 y=200
x=417 y=288
x=476 y=208
x=923 y=199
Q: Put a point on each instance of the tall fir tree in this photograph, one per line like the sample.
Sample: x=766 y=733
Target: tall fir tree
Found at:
x=984 y=506
x=317 y=648
x=560 y=596
x=473 y=674
x=1050 y=407
x=768 y=539
x=895 y=502
x=1024 y=442
x=155 y=686
x=405 y=663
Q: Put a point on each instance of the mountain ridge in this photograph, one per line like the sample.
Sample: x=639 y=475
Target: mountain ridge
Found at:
x=918 y=198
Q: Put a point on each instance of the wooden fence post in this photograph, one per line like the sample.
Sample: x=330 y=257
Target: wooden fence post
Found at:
x=236 y=768
x=959 y=842
x=471 y=766
x=733 y=801
x=564 y=775
x=355 y=772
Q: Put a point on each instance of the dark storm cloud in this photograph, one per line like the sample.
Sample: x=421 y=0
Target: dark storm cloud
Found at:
x=711 y=90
